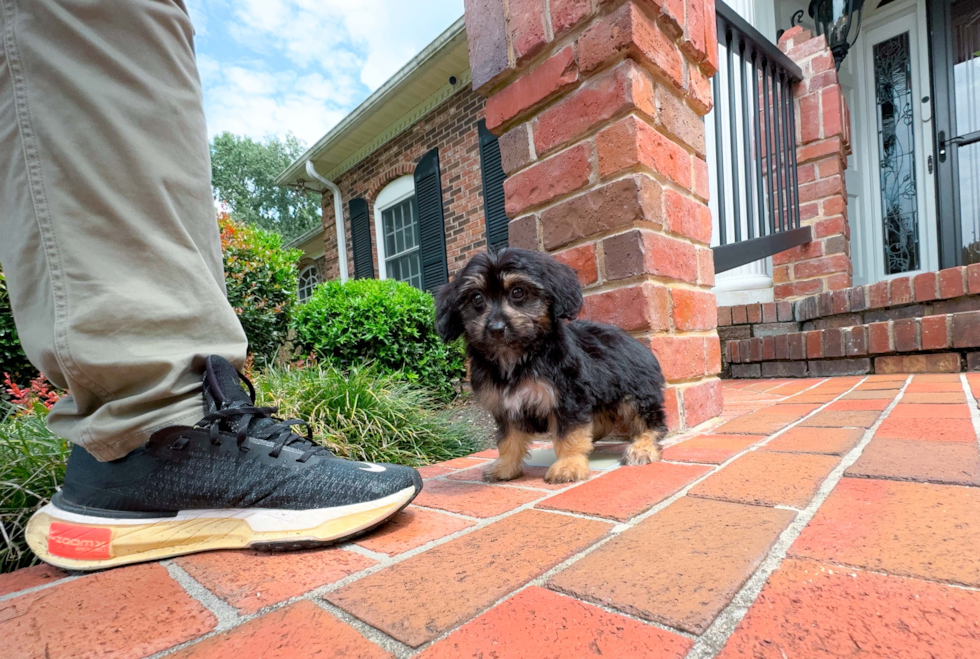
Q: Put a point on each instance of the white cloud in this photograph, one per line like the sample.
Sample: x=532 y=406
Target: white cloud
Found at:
x=275 y=66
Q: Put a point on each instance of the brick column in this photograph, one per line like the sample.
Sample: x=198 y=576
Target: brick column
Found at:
x=598 y=106
x=823 y=139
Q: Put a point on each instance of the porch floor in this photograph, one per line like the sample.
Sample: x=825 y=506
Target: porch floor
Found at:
x=817 y=518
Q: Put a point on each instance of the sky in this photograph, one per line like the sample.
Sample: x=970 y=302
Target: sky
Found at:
x=270 y=67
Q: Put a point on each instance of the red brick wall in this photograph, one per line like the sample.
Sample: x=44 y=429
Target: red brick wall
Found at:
x=452 y=127
x=822 y=145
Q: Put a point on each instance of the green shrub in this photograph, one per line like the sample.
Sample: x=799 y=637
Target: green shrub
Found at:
x=387 y=322
x=32 y=465
x=12 y=358
x=261 y=280
x=361 y=414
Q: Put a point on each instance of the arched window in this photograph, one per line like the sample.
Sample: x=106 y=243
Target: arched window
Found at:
x=396 y=225
x=309 y=278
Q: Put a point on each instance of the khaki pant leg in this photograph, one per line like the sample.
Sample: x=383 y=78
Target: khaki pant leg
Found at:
x=108 y=237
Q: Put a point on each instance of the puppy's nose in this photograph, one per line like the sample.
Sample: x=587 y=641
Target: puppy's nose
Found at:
x=496 y=329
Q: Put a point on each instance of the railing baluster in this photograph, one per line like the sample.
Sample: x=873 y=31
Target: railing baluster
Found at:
x=746 y=150
x=720 y=163
x=778 y=130
x=769 y=149
x=758 y=144
x=793 y=167
x=733 y=134
x=769 y=188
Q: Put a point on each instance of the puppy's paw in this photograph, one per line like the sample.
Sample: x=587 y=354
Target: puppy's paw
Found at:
x=641 y=454
x=503 y=471
x=568 y=471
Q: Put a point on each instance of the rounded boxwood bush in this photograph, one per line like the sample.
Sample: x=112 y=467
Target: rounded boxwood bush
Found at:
x=389 y=323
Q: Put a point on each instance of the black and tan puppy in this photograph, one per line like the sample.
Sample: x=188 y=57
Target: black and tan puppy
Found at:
x=540 y=372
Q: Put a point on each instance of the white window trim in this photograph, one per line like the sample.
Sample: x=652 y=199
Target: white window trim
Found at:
x=300 y=277
x=393 y=194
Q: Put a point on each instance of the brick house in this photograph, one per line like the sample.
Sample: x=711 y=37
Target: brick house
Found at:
x=734 y=191
x=413 y=165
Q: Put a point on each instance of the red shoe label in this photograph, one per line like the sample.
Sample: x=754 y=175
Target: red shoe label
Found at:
x=81 y=542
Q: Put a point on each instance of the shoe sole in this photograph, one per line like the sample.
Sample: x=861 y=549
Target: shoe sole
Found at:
x=82 y=542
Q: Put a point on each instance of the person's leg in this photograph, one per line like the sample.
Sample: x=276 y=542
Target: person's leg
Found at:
x=109 y=242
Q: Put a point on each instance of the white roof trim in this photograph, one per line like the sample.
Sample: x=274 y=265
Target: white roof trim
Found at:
x=297 y=168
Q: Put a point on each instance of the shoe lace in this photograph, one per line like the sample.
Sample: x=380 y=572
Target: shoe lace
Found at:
x=241 y=418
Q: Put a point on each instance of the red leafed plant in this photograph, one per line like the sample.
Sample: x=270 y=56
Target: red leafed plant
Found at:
x=38 y=391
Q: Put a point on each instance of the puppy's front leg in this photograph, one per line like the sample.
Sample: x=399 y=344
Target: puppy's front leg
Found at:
x=572 y=449
x=512 y=448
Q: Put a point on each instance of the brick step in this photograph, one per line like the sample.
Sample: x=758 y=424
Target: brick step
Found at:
x=928 y=322
x=932 y=344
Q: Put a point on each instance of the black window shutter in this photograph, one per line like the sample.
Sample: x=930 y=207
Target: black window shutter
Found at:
x=493 y=189
x=360 y=235
x=432 y=226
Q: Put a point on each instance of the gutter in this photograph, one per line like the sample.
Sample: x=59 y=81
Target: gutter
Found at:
x=338 y=213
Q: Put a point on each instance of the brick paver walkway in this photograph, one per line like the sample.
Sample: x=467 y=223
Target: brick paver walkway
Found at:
x=818 y=518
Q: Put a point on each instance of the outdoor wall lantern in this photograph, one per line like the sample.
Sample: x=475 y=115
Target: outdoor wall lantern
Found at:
x=840 y=21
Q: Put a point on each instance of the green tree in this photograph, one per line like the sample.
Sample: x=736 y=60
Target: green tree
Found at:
x=243 y=174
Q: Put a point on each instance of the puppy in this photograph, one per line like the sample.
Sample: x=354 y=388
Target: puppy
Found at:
x=537 y=371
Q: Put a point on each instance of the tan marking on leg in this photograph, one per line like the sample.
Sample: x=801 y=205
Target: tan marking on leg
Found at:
x=512 y=448
x=645 y=447
x=573 y=456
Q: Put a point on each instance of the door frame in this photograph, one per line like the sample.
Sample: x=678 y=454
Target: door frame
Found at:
x=891 y=20
x=944 y=111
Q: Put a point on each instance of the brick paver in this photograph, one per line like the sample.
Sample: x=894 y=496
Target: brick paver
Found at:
x=871 y=395
x=710 y=449
x=945 y=398
x=298 y=630
x=418 y=599
x=939 y=430
x=681 y=566
x=532 y=477
x=878 y=572
x=842 y=419
x=826 y=612
x=412 y=528
x=128 y=612
x=252 y=580
x=915 y=529
x=473 y=499
x=626 y=492
x=31 y=577
x=769 y=479
x=920 y=460
x=540 y=623
x=832 y=441
x=767 y=421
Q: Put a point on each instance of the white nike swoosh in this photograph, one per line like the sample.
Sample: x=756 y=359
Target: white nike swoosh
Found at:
x=372 y=467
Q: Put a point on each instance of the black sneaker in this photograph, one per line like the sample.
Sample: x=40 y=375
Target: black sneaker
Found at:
x=239 y=478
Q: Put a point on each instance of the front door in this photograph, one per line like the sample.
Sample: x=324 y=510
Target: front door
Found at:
x=954 y=29
x=896 y=232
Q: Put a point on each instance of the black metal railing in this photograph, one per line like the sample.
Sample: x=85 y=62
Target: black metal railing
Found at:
x=757 y=192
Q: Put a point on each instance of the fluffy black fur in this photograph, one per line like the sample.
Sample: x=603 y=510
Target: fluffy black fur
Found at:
x=597 y=371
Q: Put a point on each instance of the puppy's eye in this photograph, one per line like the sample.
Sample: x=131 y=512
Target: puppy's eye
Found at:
x=477 y=300
x=517 y=293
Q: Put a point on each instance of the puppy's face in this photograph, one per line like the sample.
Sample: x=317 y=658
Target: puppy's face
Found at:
x=505 y=302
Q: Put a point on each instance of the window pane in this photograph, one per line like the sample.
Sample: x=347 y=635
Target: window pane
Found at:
x=388 y=221
x=896 y=146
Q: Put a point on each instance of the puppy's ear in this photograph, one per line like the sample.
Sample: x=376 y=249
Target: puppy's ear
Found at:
x=562 y=284
x=449 y=321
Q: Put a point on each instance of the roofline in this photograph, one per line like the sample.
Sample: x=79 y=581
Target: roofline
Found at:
x=299 y=240
x=298 y=167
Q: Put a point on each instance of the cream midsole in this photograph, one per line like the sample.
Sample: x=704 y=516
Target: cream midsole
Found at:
x=145 y=539
x=259 y=519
